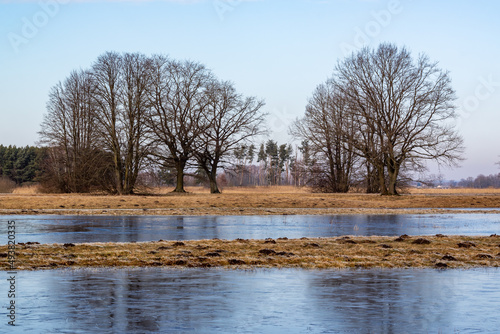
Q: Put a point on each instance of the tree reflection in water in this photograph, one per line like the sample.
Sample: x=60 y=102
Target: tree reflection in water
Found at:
x=77 y=229
x=258 y=301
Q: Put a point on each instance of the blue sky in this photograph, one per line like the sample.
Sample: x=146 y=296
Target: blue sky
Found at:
x=276 y=50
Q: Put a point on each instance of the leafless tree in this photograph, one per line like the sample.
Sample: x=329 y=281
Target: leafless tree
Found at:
x=136 y=106
x=403 y=108
x=328 y=128
x=106 y=72
x=128 y=107
x=121 y=106
x=75 y=161
x=233 y=120
x=178 y=114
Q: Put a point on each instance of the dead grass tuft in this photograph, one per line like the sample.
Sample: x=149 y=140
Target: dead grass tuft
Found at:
x=27 y=190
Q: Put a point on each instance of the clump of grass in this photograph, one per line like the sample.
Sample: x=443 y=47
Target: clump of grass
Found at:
x=27 y=189
x=362 y=252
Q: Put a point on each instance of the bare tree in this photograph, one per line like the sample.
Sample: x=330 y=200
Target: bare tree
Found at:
x=122 y=82
x=75 y=161
x=233 y=120
x=178 y=115
x=136 y=106
x=107 y=75
x=328 y=128
x=402 y=107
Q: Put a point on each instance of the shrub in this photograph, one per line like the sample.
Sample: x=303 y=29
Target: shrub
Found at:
x=6 y=185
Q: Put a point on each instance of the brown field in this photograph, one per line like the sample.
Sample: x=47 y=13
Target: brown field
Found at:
x=344 y=252
x=246 y=201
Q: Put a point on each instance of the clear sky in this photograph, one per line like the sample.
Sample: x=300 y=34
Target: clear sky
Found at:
x=276 y=50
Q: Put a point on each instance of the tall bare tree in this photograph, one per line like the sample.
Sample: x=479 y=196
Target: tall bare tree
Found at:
x=233 y=120
x=136 y=105
x=75 y=161
x=107 y=72
x=328 y=128
x=121 y=99
x=403 y=108
x=178 y=115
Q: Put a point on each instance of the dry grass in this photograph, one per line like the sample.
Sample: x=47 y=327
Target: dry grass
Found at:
x=236 y=190
x=27 y=190
x=247 y=201
x=268 y=190
x=343 y=252
x=168 y=190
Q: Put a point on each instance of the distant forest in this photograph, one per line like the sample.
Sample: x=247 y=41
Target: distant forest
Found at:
x=22 y=165
x=480 y=181
x=271 y=164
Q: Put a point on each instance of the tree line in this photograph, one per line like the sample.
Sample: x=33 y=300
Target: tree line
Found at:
x=130 y=112
x=273 y=164
x=376 y=120
x=276 y=165
x=481 y=181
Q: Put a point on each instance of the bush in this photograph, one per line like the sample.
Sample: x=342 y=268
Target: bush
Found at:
x=6 y=185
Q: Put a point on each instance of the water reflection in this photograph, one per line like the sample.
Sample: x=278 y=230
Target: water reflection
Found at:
x=260 y=301
x=381 y=302
x=61 y=229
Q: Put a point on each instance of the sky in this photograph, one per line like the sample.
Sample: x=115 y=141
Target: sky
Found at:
x=275 y=50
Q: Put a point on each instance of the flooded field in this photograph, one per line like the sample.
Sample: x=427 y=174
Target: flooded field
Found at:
x=152 y=300
x=62 y=229
x=258 y=301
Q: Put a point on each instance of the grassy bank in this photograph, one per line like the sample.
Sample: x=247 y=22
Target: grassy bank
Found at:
x=343 y=252
x=248 y=201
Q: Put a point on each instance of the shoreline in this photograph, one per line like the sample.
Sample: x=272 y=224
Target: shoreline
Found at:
x=346 y=252
x=242 y=203
x=246 y=211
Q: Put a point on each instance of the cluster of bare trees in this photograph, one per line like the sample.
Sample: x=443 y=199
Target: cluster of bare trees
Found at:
x=379 y=117
x=381 y=114
x=128 y=111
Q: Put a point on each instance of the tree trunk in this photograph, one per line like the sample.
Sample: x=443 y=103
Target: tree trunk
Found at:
x=241 y=176
x=118 y=176
x=381 y=181
x=372 y=183
x=393 y=171
x=179 y=166
x=212 y=176
x=214 y=189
